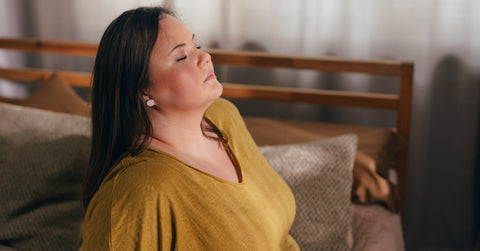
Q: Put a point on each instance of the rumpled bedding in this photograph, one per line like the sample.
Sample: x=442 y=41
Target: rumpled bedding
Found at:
x=377 y=149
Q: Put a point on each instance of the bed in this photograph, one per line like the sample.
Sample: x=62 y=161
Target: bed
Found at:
x=348 y=181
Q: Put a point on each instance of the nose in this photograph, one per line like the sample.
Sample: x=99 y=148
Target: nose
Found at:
x=205 y=59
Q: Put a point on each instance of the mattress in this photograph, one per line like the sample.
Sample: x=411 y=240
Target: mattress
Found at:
x=375 y=228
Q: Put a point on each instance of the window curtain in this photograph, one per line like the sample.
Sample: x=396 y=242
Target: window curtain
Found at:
x=442 y=38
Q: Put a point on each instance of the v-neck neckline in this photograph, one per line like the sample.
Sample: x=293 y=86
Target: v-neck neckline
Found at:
x=238 y=169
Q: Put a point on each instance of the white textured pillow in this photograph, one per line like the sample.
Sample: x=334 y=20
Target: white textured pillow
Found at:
x=320 y=176
x=43 y=158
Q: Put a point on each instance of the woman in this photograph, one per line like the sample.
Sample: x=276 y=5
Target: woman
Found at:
x=172 y=165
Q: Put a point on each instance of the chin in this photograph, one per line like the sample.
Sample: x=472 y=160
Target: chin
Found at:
x=217 y=90
x=213 y=92
x=220 y=91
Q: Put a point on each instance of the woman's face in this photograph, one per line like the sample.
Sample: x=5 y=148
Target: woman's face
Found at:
x=181 y=75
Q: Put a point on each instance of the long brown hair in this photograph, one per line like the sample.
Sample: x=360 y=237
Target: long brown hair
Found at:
x=120 y=74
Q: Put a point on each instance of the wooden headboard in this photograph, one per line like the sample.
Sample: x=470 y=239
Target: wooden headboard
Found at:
x=401 y=102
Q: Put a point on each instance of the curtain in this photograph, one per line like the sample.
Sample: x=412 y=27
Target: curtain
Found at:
x=441 y=37
x=11 y=26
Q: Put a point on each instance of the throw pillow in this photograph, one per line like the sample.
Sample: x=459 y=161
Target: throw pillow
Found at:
x=320 y=176
x=57 y=95
x=42 y=165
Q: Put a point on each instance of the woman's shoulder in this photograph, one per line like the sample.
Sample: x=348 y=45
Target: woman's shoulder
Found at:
x=223 y=113
x=228 y=119
x=145 y=171
x=221 y=107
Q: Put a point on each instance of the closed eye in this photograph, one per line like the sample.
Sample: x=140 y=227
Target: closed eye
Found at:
x=185 y=57
x=182 y=58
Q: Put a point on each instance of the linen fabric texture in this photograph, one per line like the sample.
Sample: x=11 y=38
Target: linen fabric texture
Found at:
x=320 y=176
x=154 y=201
x=377 y=150
x=42 y=165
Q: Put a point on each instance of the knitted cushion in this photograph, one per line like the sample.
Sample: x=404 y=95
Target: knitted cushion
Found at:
x=320 y=176
x=42 y=165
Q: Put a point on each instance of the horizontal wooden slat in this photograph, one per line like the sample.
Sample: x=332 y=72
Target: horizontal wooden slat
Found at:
x=36 y=45
x=12 y=100
x=330 y=64
x=238 y=58
x=321 y=97
x=238 y=91
x=34 y=75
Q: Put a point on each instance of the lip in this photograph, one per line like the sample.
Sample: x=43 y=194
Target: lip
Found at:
x=210 y=76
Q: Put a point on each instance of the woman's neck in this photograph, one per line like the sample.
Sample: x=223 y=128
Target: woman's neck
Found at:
x=178 y=132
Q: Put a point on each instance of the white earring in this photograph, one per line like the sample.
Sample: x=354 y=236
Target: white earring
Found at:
x=150 y=102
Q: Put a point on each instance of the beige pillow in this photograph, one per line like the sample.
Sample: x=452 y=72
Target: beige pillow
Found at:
x=43 y=161
x=320 y=176
x=57 y=95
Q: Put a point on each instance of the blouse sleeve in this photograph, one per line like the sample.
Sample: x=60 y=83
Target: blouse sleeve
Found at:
x=225 y=115
x=130 y=214
x=140 y=220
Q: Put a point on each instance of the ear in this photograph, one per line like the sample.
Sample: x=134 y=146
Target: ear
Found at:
x=148 y=100
x=145 y=97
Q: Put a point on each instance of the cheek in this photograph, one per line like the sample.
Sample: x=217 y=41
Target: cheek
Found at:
x=175 y=83
x=175 y=80
x=183 y=77
x=156 y=74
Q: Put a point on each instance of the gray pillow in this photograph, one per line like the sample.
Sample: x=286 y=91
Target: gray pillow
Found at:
x=320 y=176
x=42 y=165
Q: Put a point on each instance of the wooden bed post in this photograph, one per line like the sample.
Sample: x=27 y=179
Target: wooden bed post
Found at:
x=403 y=127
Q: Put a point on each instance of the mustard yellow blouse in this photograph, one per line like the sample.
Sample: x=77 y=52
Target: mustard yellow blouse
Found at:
x=154 y=201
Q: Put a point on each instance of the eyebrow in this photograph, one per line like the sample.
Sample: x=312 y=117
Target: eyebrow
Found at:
x=181 y=45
